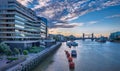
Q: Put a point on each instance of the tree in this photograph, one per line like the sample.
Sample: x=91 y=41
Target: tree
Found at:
x=8 y=51
x=56 y=38
x=25 y=52
x=1 y=48
x=16 y=51
x=5 y=49
x=71 y=37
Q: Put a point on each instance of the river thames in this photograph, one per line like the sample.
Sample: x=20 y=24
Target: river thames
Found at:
x=91 y=56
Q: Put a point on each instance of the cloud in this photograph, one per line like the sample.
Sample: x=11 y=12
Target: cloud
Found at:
x=59 y=31
x=41 y=3
x=113 y=16
x=73 y=18
x=111 y=3
x=92 y=22
x=25 y=2
x=66 y=10
x=70 y=25
x=53 y=30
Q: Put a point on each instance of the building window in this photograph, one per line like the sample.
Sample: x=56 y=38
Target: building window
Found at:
x=16 y=30
x=8 y=20
x=9 y=2
x=12 y=15
x=11 y=6
x=19 y=22
x=20 y=18
x=2 y=11
x=10 y=10
x=19 y=26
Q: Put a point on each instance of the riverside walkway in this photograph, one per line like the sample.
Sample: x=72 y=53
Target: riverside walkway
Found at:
x=34 y=59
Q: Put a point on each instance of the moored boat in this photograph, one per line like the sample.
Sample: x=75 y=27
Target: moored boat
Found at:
x=73 y=53
x=101 y=39
x=71 y=43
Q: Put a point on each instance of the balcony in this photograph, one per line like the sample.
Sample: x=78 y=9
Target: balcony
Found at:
x=7 y=13
x=4 y=18
x=7 y=23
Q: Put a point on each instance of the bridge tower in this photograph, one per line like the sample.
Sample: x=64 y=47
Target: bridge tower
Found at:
x=89 y=36
x=83 y=36
x=92 y=36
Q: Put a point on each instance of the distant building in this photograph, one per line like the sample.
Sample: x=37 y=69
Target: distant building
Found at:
x=61 y=38
x=57 y=37
x=20 y=26
x=71 y=37
x=51 y=36
x=115 y=36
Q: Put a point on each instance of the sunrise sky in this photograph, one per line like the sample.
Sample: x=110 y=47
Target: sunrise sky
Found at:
x=74 y=17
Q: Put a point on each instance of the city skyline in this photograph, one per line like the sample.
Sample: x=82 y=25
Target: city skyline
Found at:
x=59 y=35
x=77 y=17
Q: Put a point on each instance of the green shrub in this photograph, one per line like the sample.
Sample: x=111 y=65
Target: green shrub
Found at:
x=35 y=49
x=11 y=58
x=25 y=52
x=16 y=51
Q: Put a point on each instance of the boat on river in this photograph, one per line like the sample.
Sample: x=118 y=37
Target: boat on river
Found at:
x=101 y=39
x=73 y=53
x=71 y=43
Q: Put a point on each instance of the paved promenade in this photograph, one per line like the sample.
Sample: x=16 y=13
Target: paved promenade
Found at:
x=32 y=57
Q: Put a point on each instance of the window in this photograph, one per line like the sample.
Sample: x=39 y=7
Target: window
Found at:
x=18 y=17
x=11 y=6
x=10 y=10
x=9 y=20
x=16 y=30
x=19 y=26
x=9 y=2
x=19 y=22
x=11 y=15
x=2 y=11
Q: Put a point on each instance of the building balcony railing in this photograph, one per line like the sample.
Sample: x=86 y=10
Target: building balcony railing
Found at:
x=1 y=13
x=7 y=23
x=8 y=8
x=23 y=29
x=18 y=37
x=1 y=27
x=27 y=30
x=4 y=18
x=33 y=18
x=11 y=32
x=23 y=41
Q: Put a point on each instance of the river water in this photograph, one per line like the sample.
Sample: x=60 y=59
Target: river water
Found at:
x=91 y=56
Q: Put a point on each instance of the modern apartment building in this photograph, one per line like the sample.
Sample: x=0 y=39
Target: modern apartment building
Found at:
x=115 y=36
x=19 y=26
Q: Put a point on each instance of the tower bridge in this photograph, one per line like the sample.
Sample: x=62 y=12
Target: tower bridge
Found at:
x=88 y=36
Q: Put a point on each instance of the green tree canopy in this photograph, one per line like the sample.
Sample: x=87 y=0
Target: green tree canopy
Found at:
x=16 y=51
x=4 y=48
x=25 y=52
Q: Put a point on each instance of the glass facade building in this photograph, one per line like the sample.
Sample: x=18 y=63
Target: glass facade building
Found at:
x=115 y=36
x=20 y=25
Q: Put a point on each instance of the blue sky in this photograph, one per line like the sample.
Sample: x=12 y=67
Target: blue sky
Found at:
x=100 y=21
x=78 y=16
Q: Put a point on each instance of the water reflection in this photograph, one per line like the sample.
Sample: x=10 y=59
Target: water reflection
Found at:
x=92 y=56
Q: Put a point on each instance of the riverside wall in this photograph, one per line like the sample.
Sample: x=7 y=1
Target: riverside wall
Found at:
x=32 y=61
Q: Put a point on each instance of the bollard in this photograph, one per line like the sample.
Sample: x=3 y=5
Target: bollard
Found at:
x=71 y=65
x=70 y=59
